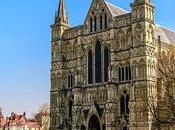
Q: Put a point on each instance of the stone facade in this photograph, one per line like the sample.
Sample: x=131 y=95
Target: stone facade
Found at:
x=104 y=70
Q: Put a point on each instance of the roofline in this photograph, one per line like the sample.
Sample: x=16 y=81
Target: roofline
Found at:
x=103 y=1
x=165 y=28
x=117 y=6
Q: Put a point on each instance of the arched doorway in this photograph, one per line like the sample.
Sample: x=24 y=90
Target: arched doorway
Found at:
x=124 y=128
x=94 y=123
x=83 y=127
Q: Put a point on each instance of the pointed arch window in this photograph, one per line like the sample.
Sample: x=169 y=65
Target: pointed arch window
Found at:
x=126 y=73
x=106 y=63
x=90 y=70
x=124 y=103
x=101 y=22
x=105 y=21
x=129 y=72
x=70 y=81
x=123 y=74
x=95 y=23
x=98 y=62
x=119 y=74
x=90 y=24
x=69 y=84
x=134 y=70
x=70 y=110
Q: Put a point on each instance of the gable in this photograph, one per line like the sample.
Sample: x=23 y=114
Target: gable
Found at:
x=100 y=15
x=97 y=7
x=109 y=8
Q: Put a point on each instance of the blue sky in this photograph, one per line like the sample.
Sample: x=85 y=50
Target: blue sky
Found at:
x=25 y=46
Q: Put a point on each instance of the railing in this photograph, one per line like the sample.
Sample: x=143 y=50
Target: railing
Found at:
x=123 y=20
x=88 y=93
x=72 y=32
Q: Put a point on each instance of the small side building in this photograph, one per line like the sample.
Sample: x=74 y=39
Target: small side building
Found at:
x=20 y=122
x=43 y=119
x=2 y=121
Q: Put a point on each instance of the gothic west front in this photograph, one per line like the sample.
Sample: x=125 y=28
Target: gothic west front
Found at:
x=103 y=71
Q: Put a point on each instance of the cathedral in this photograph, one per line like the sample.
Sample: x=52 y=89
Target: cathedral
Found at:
x=103 y=71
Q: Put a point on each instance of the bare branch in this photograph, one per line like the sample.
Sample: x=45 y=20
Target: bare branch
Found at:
x=163 y=107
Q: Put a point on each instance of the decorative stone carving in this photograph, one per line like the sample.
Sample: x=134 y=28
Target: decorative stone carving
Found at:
x=130 y=38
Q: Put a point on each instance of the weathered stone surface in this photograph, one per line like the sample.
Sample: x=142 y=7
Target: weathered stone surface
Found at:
x=132 y=41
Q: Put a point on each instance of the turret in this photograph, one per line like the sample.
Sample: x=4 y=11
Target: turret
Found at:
x=60 y=25
x=142 y=10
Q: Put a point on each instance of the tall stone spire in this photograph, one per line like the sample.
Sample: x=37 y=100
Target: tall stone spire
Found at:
x=61 y=22
x=61 y=16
